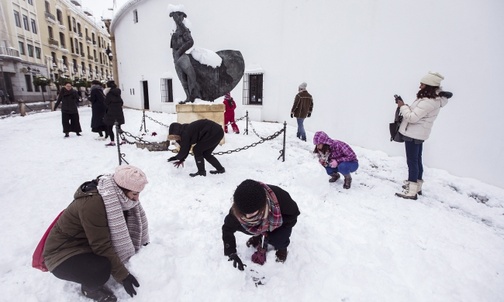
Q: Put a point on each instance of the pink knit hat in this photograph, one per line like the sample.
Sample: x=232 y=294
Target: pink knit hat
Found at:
x=130 y=178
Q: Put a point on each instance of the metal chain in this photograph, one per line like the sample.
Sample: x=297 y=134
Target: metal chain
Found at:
x=274 y=135
x=158 y=122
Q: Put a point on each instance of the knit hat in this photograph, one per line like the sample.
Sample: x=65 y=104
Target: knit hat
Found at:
x=130 y=178
x=249 y=196
x=432 y=79
x=302 y=86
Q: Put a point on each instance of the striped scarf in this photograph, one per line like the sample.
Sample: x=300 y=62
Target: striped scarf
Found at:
x=266 y=221
x=129 y=234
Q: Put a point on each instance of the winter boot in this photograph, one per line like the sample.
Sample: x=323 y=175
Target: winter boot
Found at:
x=419 y=182
x=410 y=192
x=281 y=255
x=348 y=182
x=101 y=294
x=254 y=241
x=200 y=163
x=334 y=177
x=218 y=171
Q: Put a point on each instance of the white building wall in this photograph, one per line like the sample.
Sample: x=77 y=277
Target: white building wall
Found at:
x=354 y=55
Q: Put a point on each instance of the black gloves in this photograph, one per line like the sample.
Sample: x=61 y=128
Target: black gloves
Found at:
x=173 y=158
x=237 y=261
x=445 y=94
x=309 y=114
x=178 y=163
x=292 y=115
x=128 y=283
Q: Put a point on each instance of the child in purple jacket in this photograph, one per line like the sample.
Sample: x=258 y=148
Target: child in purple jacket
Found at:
x=336 y=157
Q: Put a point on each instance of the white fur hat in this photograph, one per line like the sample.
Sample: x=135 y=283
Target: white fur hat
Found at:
x=432 y=79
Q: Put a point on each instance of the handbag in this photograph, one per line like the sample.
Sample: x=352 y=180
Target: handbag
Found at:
x=38 y=260
x=394 y=128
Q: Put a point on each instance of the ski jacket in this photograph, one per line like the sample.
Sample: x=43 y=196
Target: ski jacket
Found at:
x=419 y=117
x=69 y=100
x=288 y=208
x=230 y=106
x=303 y=105
x=83 y=228
x=114 y=104
x=340 y=151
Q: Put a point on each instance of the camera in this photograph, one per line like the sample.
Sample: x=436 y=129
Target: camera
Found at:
x=397 y=98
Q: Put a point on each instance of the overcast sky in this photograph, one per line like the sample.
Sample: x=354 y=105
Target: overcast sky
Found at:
x=99 y=6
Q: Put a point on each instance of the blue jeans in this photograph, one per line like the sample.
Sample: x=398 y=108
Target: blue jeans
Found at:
x=344 y=168
x=301 y=134
x=414 y=160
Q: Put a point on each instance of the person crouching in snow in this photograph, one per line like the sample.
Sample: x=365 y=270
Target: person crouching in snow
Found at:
x=229 y=113
x=336 y=157
x=98 y=232
x=265 y=211
x=205 y=135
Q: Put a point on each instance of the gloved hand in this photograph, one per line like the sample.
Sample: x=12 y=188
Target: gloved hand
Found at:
x=259 y=256
x=445 y=94
x=173 y=158
x=322 y=162
x=333 y=163
x=128 y=283
x=178 y=163
x=292 y=115
x=237 y=261
x=309 y=114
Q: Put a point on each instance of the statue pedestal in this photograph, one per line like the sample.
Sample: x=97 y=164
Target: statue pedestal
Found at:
x=187 y=113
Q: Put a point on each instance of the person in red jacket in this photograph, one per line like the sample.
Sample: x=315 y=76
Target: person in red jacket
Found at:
x=229 y=114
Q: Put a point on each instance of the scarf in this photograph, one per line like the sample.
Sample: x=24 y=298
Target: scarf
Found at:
x=266 y=221
x=127 y=234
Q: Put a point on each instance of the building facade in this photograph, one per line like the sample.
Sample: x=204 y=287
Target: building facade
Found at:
x=49 y=39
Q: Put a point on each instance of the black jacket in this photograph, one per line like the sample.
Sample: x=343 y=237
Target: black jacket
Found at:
x=288 y=208
x=197 y=132
x=114 y=110
x=69 y=100
x=97 y=99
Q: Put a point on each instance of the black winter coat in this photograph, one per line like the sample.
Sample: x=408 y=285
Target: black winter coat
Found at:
x=97 y=99
x=69 y=100
x=288 y=208
x=197 y=132
x=114 y=104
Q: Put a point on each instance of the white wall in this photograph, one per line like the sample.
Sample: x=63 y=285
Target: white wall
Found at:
x=354 y=55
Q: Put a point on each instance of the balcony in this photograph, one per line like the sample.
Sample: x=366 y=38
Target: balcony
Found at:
x=88 y=39
x=9 y=52
x=76 y=2
x=90 y=58
x=53 y=42
x=50 y=17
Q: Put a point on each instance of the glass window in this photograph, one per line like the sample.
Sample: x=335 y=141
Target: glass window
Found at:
x=17 y=18
x=21 y=48
x=38 y=52
x=34 y=26
x=28 y=80
x=166 y=91
x=30 y=50
x=30 y=2
x=25 y=22
x=253 y=89
x=135 y=16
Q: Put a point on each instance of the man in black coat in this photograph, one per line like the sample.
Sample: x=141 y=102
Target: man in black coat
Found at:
x=265 y=211
x=205 y=135
x=69 y=99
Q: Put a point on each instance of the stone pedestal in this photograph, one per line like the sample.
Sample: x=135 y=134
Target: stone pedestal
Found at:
x=187 y=113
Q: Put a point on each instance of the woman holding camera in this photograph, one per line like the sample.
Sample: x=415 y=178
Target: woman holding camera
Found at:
x=416 y=126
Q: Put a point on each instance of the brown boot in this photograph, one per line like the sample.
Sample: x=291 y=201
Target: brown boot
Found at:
x=334 y=177
x=348 y=182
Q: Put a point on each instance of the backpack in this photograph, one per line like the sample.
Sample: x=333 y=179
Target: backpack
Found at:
x=38 y=260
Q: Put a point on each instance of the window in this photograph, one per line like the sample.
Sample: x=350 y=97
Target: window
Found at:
x=17 y=18
x=38 y=52
x=253 y=89
x=69 y=23
x=72 y=46
x=76 y=46
x=28 y=80
x=166 y=91
x=34 y=26
x=59 y=16
x=135 y=16
x=74 y=23
x=81 y=49
x=30 y=50
x=62 y=40
x=25 y=22
x=47 y=7
x=30 y=2
x=21 y=48
x=49 y=30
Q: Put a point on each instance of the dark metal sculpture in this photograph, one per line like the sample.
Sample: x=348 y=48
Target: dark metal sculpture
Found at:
x=200 y=80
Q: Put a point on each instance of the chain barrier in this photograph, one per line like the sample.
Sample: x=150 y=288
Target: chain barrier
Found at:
x=274 y=135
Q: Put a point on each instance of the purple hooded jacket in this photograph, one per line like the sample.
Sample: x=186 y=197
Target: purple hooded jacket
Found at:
x=340 y=151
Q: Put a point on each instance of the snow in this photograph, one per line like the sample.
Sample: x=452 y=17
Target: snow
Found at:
x=362 y=244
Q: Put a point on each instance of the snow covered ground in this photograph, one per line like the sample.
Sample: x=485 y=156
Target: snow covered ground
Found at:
x=362 y=244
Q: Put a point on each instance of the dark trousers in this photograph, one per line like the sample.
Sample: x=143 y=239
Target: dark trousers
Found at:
x=280 y=238
x=70 y=122
x=414 y=160
x=89 y=270
x=204 y=149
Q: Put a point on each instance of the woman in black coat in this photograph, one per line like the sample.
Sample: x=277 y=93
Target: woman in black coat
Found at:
x=205 y=135
x=265 y=211
x=69 y=99
x=114 y=112
x=97 y=99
